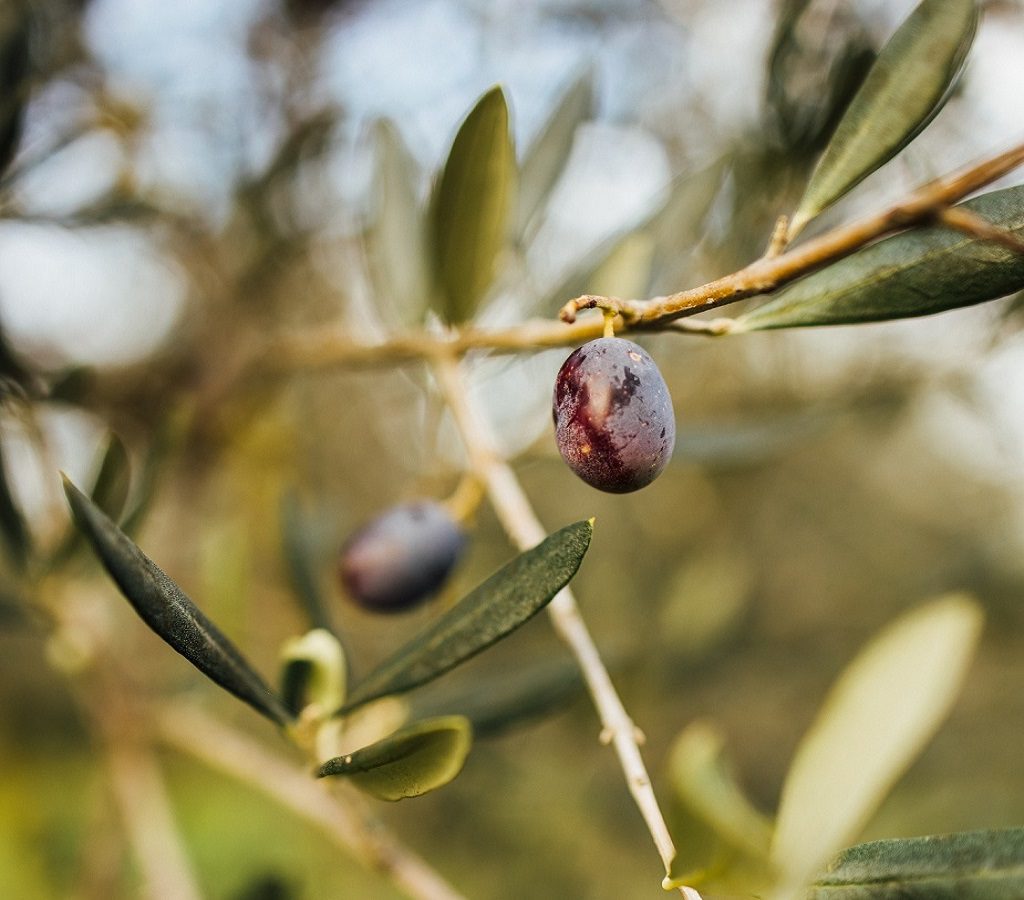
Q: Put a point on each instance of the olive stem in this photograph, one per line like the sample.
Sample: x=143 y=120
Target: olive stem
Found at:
x=520 y=522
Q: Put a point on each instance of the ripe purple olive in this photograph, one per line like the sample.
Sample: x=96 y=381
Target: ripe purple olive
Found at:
x=614 y=423
x=402 y=557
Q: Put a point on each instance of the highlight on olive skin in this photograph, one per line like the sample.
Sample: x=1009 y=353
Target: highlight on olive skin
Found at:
x=402 y=558
x=614 y=422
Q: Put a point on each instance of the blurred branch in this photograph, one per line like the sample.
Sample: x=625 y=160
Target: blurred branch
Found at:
x=348 y=825
x=522 y=525
x=140 y=794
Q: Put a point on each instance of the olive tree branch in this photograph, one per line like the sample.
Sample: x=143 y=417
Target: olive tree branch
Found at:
x=524 y=528
x=348 y=824
x=775 y=268
x=778 y=267
x=978 y=226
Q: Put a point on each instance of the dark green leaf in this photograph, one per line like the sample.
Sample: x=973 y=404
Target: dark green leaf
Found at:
x=163 y=606
x=411 y=762
x=109 y=493
x=972 y=865
x=495 y=703
x=511 y=596
x=471 y=207
x=908 y=84
x=14 y=77
x=924 y=271
x=546 y=158
x=396 y=248
x=298 y=541
x=819 y=56
x=12 y=523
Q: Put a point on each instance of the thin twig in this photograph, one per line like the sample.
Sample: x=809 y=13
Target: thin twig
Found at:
x=771 y=272
x=347 y=825
x=520 y=522
x=977 y=226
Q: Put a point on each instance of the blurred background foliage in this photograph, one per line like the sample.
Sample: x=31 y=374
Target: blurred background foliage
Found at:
x=189 y=182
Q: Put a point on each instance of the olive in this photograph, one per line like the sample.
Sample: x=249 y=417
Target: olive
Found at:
x=402 y=557
x=614 y=423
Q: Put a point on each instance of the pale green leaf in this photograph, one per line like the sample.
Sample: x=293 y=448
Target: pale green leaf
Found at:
x=971 y=865
x=313 y=672
x=417 y=759
x=506 y=600
x=471 y=208
x=165 y=608
x=626 y=272
x=908 y=84
x=918 y=273
x=721 y=837
x=396 y=241
x=877 y=717
x=547 y=156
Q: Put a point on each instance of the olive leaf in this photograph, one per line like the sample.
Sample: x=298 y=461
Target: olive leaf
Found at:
x=905 y=88
x=547 y=155
x=878 y=715
x=109 y=493
x=298 y=540
x=505 y=601
x=313 y=672
x=924 y=271
x=15 y=531
x=809 y=81
x=495 y=703
x=414 y=760
x=14 y=81
x=717 y=827
x=165 y=608
x=971 y=865
x=396 y=250
x=471 y=207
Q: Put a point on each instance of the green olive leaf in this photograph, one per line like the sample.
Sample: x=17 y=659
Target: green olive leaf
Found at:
x=109 y=493
x=718 y=831
x=298 y=541
x=313 y=672
x=906 y=87
x=471 y=208
x=504 y=602
x=15 y=63
x=924 y=271
x=547 y=155
x=16 y=536
x=877 y=717
x=414 y=760
x=971 y=865
x=818 y=58
x=396 y=240
x=165 y=608
x=494 y=703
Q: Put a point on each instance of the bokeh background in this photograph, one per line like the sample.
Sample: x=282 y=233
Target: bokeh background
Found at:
x=196 y=179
